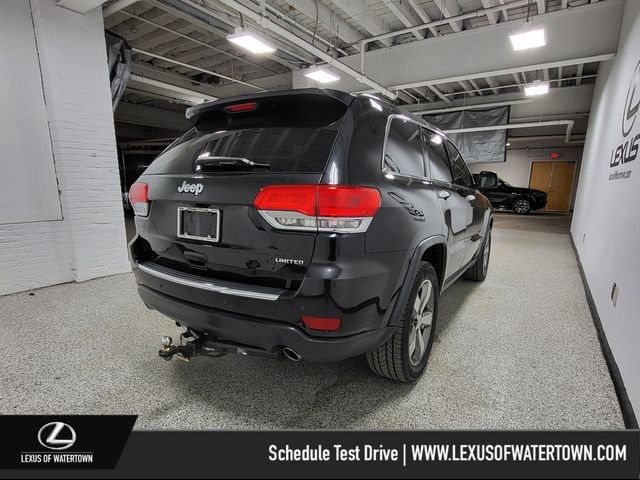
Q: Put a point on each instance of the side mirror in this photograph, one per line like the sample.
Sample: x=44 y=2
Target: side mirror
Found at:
x=487 y=180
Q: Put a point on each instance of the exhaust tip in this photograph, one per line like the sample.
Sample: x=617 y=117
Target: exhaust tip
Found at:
x=291 y=354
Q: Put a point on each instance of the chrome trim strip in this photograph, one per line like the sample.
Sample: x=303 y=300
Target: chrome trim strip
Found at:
x=205 y=285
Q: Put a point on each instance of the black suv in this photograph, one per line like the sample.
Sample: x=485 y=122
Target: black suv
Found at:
x=505 y=196
x=308 y=224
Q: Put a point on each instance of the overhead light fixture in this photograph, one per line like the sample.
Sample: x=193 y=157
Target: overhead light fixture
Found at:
x=531 y=38
x=320 y=74
x=536 y=88
x=250 y=41
x=435 y=139
x=508 y=144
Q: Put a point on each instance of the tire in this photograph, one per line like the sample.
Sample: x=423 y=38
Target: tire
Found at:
x=403 y=356
x=522 y=206
x=478 y=271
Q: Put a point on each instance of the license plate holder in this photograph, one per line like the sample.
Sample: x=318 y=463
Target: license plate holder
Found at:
x=202 y=224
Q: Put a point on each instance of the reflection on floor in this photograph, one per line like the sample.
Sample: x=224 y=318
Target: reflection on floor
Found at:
x=517 y=351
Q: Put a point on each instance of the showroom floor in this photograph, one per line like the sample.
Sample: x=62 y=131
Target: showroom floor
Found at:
x=517 y=351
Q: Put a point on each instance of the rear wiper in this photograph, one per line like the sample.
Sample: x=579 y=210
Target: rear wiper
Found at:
x=222 y=161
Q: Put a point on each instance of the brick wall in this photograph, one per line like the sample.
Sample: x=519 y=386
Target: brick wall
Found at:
x=90 y=240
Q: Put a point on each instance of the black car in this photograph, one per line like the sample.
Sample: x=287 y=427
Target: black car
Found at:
x=308 y=224
x=504 y=196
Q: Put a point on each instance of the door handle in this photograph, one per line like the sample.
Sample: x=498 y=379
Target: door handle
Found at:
x=471 y=197
x=443 y=194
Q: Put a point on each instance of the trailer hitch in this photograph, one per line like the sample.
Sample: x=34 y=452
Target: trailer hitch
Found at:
x=195 y=344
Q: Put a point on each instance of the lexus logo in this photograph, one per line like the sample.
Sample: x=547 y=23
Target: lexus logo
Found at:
x=57 y=436
x=632 y=102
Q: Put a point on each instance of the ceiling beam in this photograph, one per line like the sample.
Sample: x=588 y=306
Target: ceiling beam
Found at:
x=423 y=16
x=116 y=7
x=328 y=19
x=559 y=101
x=492 y=17
x=439 y=94
x=542 y=6
x=403 y=12
x=359 y=12
x=192 y=96
x=579 y=74
x=582 y=34
x=449 y=8
x=492 y=83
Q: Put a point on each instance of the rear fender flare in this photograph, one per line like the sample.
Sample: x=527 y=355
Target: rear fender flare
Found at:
x=414 y=263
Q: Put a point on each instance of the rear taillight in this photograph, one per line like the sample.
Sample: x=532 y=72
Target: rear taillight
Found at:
x=323 y=208
x=138 y=199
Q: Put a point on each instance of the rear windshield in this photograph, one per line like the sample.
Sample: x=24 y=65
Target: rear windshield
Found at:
x=277 y=143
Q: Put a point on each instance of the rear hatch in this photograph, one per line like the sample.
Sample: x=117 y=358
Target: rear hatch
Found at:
x=201 y=220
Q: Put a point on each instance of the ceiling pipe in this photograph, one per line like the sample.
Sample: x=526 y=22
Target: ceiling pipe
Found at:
x=173 y=88
x=194 y=67
x=267 y=24
x=436 y=23
x=510 y=126
x=521 y=84
x=477 y=106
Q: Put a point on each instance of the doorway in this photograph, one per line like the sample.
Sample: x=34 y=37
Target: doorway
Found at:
x=556 y=179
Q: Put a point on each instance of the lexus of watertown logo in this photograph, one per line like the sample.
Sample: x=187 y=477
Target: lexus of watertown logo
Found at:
x=627 y=150
x=56 y=437
x=195 y=188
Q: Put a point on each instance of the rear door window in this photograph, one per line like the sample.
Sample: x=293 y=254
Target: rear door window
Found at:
x=436 y=157
x=461 y=174
x=403 y=149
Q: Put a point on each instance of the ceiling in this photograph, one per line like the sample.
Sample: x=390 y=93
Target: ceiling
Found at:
x=182 y=43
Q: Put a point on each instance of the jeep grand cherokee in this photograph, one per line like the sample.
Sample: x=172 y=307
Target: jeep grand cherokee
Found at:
x=310 y=224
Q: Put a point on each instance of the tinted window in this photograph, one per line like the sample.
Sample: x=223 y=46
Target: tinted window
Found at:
x=403 y=150
x=436 y=156
x=461 y=175
x=279 y=149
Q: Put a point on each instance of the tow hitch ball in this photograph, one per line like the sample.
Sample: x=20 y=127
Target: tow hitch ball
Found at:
x=183 y=351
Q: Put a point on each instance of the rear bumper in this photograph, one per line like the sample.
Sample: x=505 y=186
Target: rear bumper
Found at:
x=265 y=334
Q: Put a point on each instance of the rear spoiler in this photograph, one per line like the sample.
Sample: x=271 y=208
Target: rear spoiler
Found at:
x=195 y=113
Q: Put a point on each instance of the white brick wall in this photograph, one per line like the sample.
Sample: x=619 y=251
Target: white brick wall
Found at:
x=90 y=241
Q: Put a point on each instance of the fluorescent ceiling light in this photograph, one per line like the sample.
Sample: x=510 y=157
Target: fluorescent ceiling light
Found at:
x=524 y=40
x=536 y=88
x=250 y=41
x=320 y=74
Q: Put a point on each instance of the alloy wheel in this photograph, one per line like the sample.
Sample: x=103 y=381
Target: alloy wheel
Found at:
x=421 y=322
x=522 y=206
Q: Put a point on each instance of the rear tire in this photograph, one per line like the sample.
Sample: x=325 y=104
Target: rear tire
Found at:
x=404 y=355
x=478 y=271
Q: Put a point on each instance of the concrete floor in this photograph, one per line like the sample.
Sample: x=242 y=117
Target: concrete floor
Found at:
x=518 y=351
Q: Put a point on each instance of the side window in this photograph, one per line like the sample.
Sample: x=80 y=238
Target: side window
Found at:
x=461 y=175
x=436 y=156
x=403 y=150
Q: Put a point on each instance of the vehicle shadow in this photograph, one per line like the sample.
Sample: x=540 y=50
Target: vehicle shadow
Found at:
x=233 y=392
